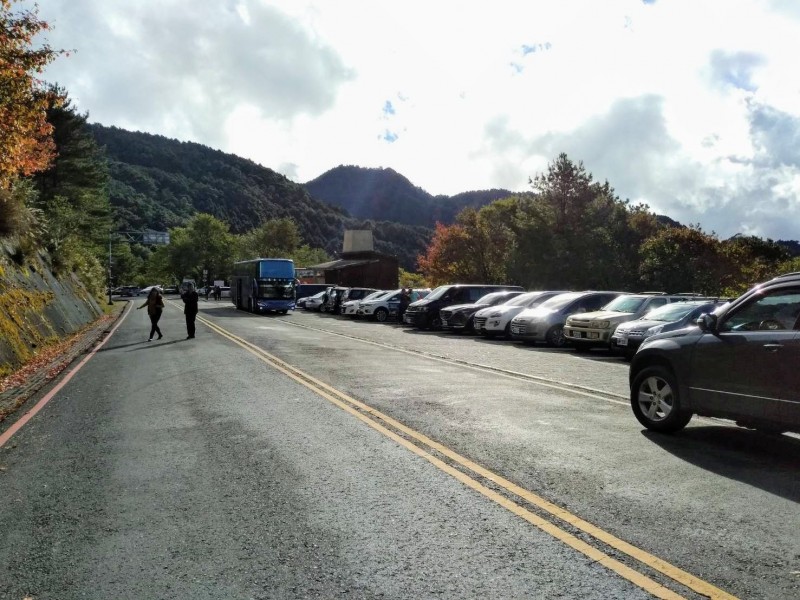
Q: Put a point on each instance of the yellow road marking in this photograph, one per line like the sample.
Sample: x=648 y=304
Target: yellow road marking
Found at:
x=361 y=410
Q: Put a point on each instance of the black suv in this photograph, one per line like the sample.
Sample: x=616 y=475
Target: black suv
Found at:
x=461 y=317
x=424 y=313
x=741 y=363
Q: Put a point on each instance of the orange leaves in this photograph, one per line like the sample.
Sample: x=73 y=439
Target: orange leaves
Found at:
x=26 y=145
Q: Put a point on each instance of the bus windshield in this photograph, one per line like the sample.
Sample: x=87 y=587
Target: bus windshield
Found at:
x=276 y=269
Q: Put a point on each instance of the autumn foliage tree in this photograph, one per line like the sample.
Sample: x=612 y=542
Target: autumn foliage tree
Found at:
x=475 y=249
x=26 y=145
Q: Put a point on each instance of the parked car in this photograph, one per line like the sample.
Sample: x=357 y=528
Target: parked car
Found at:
x=629 y=336
x=592 y=329
x=306 y=290
x=127 y=290
x=496 y=320
x=424 y=313
x=382 y=308
x=349 y=308
x=740 y=363
x=355 y=293
x=460 y=317
x=545 y=323
x=334 y=300
x=315 y=302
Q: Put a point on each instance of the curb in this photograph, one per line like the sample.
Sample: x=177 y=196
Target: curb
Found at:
x=84 y=340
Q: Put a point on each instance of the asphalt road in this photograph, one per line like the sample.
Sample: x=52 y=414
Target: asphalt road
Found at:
x=197 y=469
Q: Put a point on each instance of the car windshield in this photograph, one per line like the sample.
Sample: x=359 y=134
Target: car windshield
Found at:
x=671 y=312
x=523 y=299
x=438 y=292
x=560 y=301
x=374 y=295
x=625 y=304
x=491 y=299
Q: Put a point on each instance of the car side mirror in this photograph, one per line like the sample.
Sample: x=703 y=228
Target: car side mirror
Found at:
x=707 y=322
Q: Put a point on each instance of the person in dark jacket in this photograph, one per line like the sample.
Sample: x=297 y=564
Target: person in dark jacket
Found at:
x=155 y=306
x=405 y=300
x=189 y=298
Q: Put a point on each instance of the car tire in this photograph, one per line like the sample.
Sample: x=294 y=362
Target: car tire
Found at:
x=435 y=323
x=555 y=337
x=381 y=315
x=656 y=402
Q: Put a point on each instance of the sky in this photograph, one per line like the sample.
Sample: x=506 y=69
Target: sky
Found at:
x=691 y=107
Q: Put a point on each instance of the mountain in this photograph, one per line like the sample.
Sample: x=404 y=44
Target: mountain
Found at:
x=385 y=195
x=158 y=183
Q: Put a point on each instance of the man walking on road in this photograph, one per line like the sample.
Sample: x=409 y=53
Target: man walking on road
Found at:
x=189 y=298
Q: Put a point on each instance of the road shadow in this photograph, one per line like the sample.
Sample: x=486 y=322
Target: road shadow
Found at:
x=107 y=348
x=158 y=344
x=768 y=462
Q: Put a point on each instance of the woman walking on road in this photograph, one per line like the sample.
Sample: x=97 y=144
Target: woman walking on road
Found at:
x=189 y=298
x=155 y=306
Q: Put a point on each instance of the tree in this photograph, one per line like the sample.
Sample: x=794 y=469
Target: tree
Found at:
x=26 y=145
x=473 y=250
x=574 y=233
x=205 y=244
x=685 y=259
x=73 y=191
x=754 y=259
x=275 y=238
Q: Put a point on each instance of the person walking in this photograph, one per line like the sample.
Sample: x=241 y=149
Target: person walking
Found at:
x=189 y=298
x=155 y=306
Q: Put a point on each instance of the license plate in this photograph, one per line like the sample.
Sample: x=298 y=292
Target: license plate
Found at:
x=623 y=341
x=593 y=335
x=444 y=322
x=515 y=329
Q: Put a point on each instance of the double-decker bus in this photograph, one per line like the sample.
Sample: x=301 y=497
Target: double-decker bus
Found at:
x=264 y=285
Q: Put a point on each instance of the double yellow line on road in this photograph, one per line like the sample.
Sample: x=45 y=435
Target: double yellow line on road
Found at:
x=430 y=450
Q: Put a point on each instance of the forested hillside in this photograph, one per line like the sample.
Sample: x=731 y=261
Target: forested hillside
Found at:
x=385 y=195
x=159 y=183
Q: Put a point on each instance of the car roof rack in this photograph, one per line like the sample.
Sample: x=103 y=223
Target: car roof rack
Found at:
x=652 y=293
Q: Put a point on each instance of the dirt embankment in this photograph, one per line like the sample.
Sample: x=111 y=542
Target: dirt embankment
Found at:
x=38 y=309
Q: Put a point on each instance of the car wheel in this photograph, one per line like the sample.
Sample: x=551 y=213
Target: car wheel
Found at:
x=655 y=400
x=435 y=323
x=555 y=337
x=381 y=315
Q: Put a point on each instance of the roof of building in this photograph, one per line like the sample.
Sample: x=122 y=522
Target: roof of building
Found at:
x=338 y=264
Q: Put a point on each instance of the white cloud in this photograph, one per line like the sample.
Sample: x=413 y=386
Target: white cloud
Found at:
x=693 y=108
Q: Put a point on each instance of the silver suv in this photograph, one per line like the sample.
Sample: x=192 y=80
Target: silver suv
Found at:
x=545 y=323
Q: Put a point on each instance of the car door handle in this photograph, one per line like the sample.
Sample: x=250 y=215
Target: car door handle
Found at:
x=773 y=347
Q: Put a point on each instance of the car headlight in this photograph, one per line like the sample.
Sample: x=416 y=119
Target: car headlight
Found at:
x=652 y=331
x=494 y=314
x=599 y=324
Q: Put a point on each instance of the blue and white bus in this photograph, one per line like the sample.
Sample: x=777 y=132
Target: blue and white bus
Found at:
x=264 y=285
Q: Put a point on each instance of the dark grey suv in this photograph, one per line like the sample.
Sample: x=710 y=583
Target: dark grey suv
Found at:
x=742 y=363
